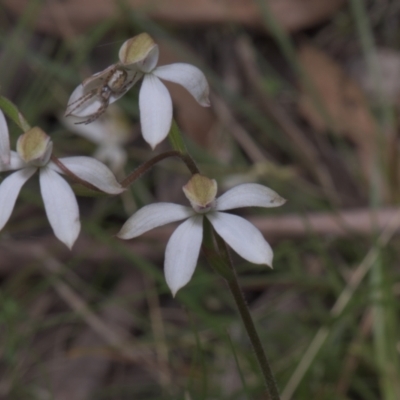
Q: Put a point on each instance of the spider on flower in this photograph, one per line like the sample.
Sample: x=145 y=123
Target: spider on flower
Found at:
x=98 y=90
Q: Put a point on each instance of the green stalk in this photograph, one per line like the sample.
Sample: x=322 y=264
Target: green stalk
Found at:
x=175 y=138
x=222 y=264
x=272 y=388
x=177 y=143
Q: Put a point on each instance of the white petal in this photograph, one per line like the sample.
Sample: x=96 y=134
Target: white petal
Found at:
x=15 y=162
x=190 y=77
x=61 y=206
x=4 y=140
x=243 y=237
x=152 y=216
x=249 y=195
x=155 y=106
x=182 y=252
x=92 y=171
x=9 y=190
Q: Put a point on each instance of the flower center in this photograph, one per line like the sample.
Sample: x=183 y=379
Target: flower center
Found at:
x=201 y=192
x=141 y=52
x=35 y=147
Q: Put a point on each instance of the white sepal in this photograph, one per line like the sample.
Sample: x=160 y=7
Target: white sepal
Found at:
x=182 y=253
x=249 y=195
x=243 y=237
x=155 y=106
x=188 y=76
x=152 y=216
x=61 y=206
x=4 y=140
x=91 y=171
x=9 y=190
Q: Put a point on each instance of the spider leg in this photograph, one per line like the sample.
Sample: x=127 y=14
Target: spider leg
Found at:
x=80 y=101
x=97 y=114
x=128 y=83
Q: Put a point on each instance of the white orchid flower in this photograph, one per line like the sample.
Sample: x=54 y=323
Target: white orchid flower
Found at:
x=34 y=150
x=138 y=58
x=110 y=133
x=183 y=247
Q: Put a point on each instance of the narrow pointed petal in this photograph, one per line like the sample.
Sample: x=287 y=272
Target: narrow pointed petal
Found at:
x=15 y=163
x=4 y=140
x=61 y=206
x=243 y=237
x=182 y=253
x=152 y=216
x=155 y=106
x=91 y=171
x=249 y=195
x=190 y=77
x=9 y=190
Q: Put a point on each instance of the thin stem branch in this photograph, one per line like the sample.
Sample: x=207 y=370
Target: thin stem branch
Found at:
x=233 y=284
x=146 y=166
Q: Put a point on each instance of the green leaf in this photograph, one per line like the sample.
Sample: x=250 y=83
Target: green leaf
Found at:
x=11 y=110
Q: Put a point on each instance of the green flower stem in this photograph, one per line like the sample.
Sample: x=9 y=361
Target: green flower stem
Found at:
x=272 y=389
x=177 y=143
x=146 y=166
x=175 y=138
x=222 y=264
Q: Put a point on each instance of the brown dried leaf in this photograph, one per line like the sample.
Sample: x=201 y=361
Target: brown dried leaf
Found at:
x=342 y=99
x=76 y=16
